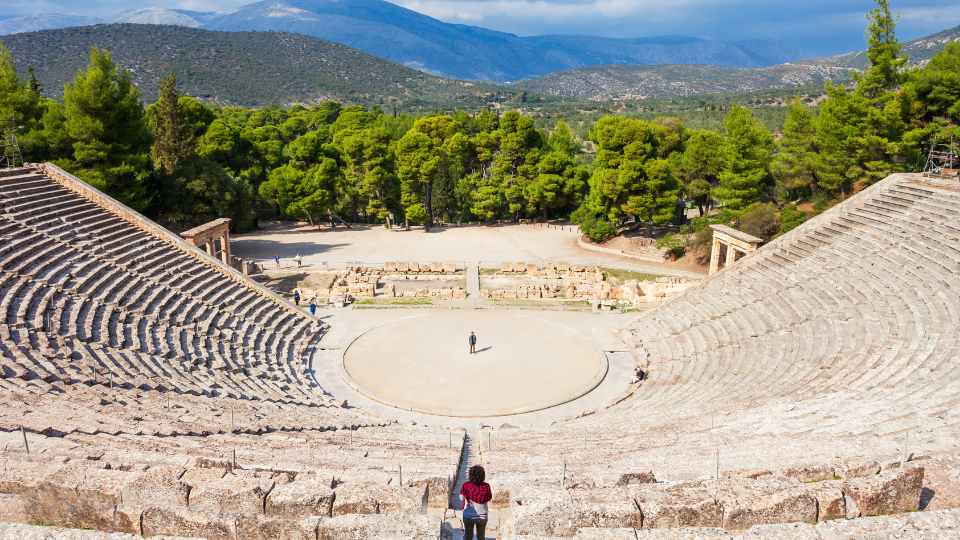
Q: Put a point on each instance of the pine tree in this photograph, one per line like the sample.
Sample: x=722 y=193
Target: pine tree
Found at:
x=34 y=84
x=173 y=140
x=105 y=123
x=748 y=147
x=885 y=71
x=17 y=102
x=700 y=166
x=794 y=166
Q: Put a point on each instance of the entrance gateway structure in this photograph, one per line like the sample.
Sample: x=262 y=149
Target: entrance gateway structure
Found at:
x=207 y=235
x=736 y=242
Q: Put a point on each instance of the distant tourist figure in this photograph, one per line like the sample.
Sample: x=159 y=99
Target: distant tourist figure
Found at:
x=296 y=297
x=473 y=342
x=475 y=494
x=276 y=259
x=299 y=260
x=313 y=308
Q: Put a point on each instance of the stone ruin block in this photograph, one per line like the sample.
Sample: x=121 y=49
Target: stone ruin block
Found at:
x=861 y=469
x=436 y=268
x=448 y=268
x=531 y=269
x=681 y=505
x=157 y=521
x=559 y=512
x=240 y=492
x=364 y=527
x=459 y=293
x=402 y=267
x=260 y=527
x=830 y=501
x=361 y=498
x=809 y=473
x=436 y=491
x=890 y=492
x=81 y=498
x=309 y=495
x=390 y=267
x=766 y=502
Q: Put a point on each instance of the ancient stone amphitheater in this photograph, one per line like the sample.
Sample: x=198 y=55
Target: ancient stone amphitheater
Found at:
x=809 y=391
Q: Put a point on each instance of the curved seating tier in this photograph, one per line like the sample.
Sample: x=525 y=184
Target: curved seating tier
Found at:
x=818 y=370
x=89 y=297
x=837 y=339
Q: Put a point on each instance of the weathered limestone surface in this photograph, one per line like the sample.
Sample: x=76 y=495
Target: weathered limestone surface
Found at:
x=311 y=496
x=891 y=492
x=17 y=531
x=379 y=527
x=241 y=493
x=557 y=512
x=185 y=522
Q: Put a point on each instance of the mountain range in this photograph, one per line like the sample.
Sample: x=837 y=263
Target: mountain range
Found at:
x=266 y=68
x=460 y=51
x=242 y=68
x=621 y=82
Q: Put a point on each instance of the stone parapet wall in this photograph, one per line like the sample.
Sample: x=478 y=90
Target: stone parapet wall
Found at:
x=393 y=267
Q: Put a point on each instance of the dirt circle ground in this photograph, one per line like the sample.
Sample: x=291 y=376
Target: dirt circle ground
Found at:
x=524 y=363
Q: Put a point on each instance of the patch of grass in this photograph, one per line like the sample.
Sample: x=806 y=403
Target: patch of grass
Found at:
x=622 y=275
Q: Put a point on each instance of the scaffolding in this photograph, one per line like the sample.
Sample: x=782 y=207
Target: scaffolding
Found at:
x=10 y=157
x=943 y=161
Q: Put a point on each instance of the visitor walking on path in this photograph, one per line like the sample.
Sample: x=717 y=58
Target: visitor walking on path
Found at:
x=473 y=342
x=299 y=260
x=313 y=308
x=276 y=259
x=475 y=494
x=296 y=297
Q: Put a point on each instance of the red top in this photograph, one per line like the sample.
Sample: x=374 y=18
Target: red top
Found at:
x=478 y=493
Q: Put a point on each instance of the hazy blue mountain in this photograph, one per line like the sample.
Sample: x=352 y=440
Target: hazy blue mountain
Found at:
x=618 y=82
x=919 y=50
x=159 y=16
x=43 y=21
x=470 y=52
x=454 y=50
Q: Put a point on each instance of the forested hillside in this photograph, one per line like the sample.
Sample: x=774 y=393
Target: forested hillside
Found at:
x=607 y=83
x=240 y=68
x=629 y=82
x=184 y=161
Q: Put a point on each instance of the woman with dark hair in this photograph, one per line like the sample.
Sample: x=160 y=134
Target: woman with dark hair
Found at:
x=475 y=494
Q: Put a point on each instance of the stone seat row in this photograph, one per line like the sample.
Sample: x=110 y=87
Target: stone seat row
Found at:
x=837 y=336
x=74 y=270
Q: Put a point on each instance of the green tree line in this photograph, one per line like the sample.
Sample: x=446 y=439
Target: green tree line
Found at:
x=183 y=161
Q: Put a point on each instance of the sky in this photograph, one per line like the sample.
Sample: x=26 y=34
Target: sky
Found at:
x=827 y=25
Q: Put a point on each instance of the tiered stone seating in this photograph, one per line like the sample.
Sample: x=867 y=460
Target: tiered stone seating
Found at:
x=87 y=296
x=811 y=382
x=837 y=340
